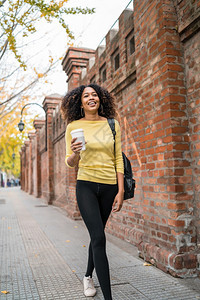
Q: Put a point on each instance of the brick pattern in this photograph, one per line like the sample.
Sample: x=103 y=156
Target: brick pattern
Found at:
x=26 y=166
x=38 y=124
x=62 y=176
x=43 y=158
x=74 y=62
x=192 y=54
x=31 y=160
x=187 y=12
x=165 y=143
x=157 y=93
x=22 y=167
x=119 y=224
x=44 y=177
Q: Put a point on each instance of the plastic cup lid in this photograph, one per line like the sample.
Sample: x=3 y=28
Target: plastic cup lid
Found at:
x=77 y=130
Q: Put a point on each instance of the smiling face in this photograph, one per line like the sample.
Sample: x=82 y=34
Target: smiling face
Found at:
x=90 y=100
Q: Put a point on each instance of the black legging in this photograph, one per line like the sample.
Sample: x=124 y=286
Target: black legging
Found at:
x=95 y=202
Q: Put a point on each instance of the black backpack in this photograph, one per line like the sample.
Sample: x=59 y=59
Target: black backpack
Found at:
x=129 y=182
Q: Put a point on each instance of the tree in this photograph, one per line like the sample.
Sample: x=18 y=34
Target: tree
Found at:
x=21 y=79
x=18 y=20
x=11 y=140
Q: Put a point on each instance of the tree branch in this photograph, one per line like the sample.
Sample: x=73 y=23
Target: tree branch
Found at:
x=4 y=50
x=28 y=86
x=18 y=68
x=2 y=2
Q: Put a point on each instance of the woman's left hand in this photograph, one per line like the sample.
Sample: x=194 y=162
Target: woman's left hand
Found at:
x=118 y=202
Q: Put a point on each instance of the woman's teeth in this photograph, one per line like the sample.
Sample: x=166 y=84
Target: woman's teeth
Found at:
x=91 y=103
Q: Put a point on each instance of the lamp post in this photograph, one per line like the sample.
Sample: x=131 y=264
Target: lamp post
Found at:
x=21 y=123
x=13 y=156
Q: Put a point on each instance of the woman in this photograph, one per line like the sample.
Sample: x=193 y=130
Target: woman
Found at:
x=100 y=181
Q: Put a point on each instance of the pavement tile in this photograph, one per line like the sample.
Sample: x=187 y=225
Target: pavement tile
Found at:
x=43 y=255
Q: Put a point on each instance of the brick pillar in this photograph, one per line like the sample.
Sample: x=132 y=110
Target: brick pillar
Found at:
x=49 y=104
x=169 y=238
x=31 y=136
x=22 y=168
x=189 y=30
x=75 y=60
x=26 y=166
x=38 y=124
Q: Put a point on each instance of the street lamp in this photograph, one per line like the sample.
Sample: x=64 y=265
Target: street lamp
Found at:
x=21 y=123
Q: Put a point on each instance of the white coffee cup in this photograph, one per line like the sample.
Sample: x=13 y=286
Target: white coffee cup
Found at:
x=79 y=134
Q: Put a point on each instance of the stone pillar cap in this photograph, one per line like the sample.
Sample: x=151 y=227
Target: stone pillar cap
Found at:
x=38 y=123
x=31 y=134
x=76 y=57
x=51 y=101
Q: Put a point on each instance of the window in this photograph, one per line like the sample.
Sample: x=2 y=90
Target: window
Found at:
x=116 y=62
x=103 y=73
x=130 y=44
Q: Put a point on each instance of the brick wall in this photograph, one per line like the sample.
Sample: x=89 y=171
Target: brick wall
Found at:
x=188 y=28
x=191 y=55
x=151 y=65
x=167 y=180
x=64 y=179
x=43 y=153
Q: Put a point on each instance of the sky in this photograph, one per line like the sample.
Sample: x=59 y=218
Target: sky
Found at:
x=89 y=30
x=51 y=39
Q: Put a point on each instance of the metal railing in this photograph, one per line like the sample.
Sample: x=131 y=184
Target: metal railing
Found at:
x=115 y=25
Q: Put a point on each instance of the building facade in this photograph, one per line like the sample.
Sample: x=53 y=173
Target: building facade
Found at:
x=151 y=64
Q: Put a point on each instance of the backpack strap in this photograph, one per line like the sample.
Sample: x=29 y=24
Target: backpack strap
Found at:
x=111 y=123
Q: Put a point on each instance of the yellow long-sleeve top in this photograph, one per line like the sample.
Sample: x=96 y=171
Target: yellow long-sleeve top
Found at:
x=97 y=163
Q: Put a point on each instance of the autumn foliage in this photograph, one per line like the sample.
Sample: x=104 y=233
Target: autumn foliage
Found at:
x=19 y=78
x=11 y=140
x=20 y=17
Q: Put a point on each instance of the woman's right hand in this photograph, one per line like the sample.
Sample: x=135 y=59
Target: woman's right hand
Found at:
x=76 y=146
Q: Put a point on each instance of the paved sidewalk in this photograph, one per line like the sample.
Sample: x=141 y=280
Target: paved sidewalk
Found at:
x=43 y=255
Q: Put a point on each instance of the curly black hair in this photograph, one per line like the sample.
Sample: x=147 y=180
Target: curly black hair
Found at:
x=71 y=103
